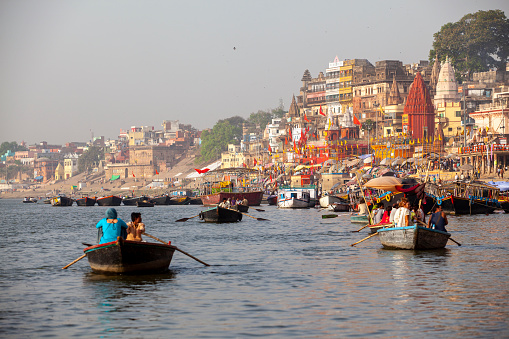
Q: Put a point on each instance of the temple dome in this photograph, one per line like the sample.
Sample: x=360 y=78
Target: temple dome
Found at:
x=447 y=87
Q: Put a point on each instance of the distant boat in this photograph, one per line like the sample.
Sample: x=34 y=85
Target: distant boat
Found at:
x=219 y=214
x=111 y=200
x=133 y=201
x=145 y=203
x=288 y=198
x=30 y=200
x=339 y=207
x=272 y=199
x=412 y=238
x=359 y=218
x=129 y=257
x=61 y=201
x=180 y=200
x=327 y=200
x=162 y=200
x=85 y=201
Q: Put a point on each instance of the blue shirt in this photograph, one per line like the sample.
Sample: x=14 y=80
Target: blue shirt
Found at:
x=111 y=231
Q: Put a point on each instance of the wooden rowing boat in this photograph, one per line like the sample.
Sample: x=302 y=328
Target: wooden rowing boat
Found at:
x=85 y=201
x=145 y=203
x=111 y=200
x=219 y=214
x=130 y=257
x=412 y=238
x=359 y=219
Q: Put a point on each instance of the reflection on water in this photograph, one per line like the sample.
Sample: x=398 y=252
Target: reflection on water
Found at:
x=293 y=276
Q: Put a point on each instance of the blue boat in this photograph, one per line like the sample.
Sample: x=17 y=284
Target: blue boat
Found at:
x=412 y=238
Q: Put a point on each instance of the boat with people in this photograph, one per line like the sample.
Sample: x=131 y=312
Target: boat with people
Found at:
x=291 y=198
x=111 y=200
x=85 y=201
x=61 y=200
x=412 y=238
x=219 y=215
x=234 y=184
x=240 y=208
x=129 y=257
x=29 y=200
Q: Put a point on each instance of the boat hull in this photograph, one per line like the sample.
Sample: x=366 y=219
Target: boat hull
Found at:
x=86 y=201
x=272 y=200
x=241 y=208
x=292 y=203
x=129 y=257
x=134 y=201
x=466 y=206
x=112 y=200
x=61 y=201
x=359 y=219
x=327 y=200
x=412 y=238
x=253 y=198
x=220 y=215
x=144 y=203
x=339 y=207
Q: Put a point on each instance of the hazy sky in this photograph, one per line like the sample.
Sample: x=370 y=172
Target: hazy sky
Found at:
x=68 y=67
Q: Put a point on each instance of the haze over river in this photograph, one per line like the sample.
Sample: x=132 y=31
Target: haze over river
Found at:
x=293 y=276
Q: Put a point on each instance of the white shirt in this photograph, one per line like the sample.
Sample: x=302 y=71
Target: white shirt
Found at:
x=400 y=218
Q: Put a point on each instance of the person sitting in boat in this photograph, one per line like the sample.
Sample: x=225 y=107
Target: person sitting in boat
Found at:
x=387 y=215
x=438 y=220
x=224 y=203
x=245 y=202
x=402 y=216
x=363 y=209
x=378 y=213
x=135 y=228
x=111 y=227
x=393 y=212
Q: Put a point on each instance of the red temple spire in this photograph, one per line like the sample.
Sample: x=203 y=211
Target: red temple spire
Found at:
x=420 y=110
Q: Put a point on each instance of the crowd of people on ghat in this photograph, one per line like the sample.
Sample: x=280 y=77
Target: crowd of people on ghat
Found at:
x=111 y=227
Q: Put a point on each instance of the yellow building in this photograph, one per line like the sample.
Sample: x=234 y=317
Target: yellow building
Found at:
x=448 y=117
x=392 y=120
x=59 y=172
x=345 y=84
x=235 y=158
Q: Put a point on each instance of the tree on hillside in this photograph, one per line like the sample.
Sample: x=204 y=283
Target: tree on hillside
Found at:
x=216 y=141
x=477 y=42
x=90 y=158
x=11 y=146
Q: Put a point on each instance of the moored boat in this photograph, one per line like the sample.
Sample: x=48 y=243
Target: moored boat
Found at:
x=133 y=201
x=195 y=201
x=29 y=200
x=86 y=201
x=131 y=257
x=219 y=214
x=180 y=200
x=412 y=238
x=339 y=207
x=288 y=198
x=327 y=200
x=61 y=201
x=272 y=199
x=253 y=198
x=145 y=203
x=111 y=200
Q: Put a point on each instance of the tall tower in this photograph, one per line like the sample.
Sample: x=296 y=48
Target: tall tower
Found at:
x=447 y=87
x=420 y=110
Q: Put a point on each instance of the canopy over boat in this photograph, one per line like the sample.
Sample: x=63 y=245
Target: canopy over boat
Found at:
x=385 y=183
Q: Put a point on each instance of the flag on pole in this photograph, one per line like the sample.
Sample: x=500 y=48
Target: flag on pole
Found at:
x=255 y=162
x=305 y=117
x=157 y=172
x=133 y=175
x=356 y=121
x=321 y=112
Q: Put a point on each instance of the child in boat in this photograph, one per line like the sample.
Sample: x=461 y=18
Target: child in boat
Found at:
x=135 y=228
x=111 y=227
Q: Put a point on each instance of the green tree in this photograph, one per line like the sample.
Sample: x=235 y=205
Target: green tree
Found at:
x=89 y=158
x=367 y=125
x=216 y=141
x=260 y=118
x=476 y=43
x=11 y=146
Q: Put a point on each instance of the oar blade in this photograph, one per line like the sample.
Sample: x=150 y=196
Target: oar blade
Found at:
x=181 y=220
x=261 y=219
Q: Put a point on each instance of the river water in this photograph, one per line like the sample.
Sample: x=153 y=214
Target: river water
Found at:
x=293 y=276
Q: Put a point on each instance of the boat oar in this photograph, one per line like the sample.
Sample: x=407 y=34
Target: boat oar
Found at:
x=328 y=216
x=75 y=261
x=372 y=235
x=363 y=227
x=178 y=249
x=259 y=219
x=186 y=219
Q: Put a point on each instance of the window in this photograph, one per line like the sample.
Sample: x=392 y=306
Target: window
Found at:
x=449 y=129
x=458 y=113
